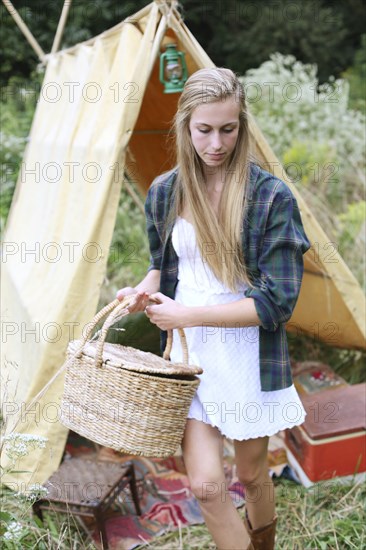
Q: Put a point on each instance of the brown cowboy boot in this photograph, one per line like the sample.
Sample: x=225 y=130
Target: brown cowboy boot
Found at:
x=262 y=538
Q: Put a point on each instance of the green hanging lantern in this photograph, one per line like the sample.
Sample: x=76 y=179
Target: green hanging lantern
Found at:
x=173 y=70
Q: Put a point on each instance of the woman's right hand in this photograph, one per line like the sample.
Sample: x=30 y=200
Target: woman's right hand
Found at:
x=140 y=301
x=126 y=291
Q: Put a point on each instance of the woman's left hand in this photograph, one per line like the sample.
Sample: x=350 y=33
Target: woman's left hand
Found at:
x=168 y=314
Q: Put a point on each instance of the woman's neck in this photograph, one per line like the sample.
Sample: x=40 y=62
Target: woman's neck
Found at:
x=214 y=177
x=214 y=185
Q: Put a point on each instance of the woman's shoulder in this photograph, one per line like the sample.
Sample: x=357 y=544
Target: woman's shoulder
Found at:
x=264 y=186
x=165 y=180
x=160 y=193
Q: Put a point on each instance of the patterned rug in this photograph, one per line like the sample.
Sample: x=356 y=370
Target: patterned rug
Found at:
x=166 y=500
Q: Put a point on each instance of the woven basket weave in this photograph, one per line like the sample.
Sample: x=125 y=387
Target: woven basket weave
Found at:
x=126 y=399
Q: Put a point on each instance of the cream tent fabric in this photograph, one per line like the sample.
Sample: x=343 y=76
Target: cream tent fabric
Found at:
x=64 y=210
x=100 y=101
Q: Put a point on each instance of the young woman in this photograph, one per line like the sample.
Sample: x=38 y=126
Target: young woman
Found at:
x=226 y=244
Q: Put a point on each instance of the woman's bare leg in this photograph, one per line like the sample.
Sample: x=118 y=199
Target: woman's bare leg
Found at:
x=203 y=457
x=252 y=471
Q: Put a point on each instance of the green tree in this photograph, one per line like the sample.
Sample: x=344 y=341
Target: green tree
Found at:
x=356 y=75
x=235 y=33
x=85 y=20
x=243 y=34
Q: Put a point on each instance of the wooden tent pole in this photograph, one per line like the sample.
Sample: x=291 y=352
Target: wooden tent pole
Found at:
x=132 y=19
x=61 y=26
x=191 y=44
x=157 y=42
x=139 y=14
x=167 y=4
x=131 y=191
x=23 y=27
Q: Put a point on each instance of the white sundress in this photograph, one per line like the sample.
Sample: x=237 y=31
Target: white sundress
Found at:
x=229 y=396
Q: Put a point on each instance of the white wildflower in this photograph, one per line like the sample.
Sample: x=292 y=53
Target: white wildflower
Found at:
x=14 y=531
x=19 y=445
x=33 y=493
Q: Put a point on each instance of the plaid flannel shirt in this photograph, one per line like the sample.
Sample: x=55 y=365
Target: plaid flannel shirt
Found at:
x=273 y=243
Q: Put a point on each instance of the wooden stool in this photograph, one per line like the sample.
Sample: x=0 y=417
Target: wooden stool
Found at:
x=87 y=488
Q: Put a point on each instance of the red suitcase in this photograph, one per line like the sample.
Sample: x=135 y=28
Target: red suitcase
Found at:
x=332 y=440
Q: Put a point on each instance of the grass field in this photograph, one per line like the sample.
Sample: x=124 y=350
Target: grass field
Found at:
x=327 y=516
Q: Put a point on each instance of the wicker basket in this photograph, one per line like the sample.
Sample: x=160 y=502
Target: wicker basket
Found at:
x=126 y=399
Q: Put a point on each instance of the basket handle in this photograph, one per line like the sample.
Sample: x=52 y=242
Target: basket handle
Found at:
x=93 y=323
x=120 y=309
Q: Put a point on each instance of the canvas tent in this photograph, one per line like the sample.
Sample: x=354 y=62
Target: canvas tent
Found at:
x=102 y=111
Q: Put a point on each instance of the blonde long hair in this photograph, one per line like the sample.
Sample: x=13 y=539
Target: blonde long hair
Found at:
x=219 y=238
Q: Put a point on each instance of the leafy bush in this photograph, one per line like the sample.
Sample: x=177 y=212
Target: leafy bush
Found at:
x=356 y=75
x=291 y=107
x=18 y=102
x=318 y=139
x=128 y=258
x=352 y=231
x=10 y=157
